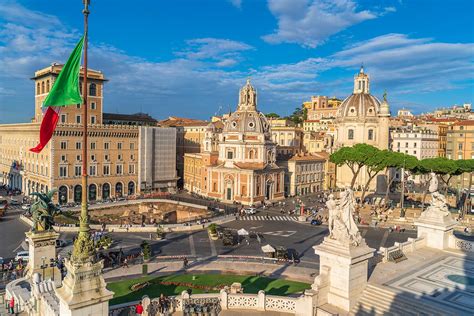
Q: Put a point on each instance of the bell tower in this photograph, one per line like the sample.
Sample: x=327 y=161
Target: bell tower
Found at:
x=247 y=98
x=361 y=82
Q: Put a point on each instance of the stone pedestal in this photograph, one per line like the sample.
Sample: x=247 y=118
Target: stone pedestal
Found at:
x=346 y=269
x=42 y=249
x=435 y=227
x=83 y=291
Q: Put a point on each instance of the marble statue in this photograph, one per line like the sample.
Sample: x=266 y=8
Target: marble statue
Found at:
x=43 y=211
x=438 y=205
x=342 y=226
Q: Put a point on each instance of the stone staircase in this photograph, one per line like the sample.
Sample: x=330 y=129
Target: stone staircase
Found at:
x=378 y=300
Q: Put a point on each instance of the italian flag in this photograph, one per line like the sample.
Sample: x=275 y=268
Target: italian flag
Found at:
x=64 y=92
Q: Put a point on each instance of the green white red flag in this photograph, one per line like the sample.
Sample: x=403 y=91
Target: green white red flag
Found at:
x=65 y=91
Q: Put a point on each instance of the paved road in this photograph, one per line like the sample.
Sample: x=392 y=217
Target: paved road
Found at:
x=12 y=233
x=289 y=234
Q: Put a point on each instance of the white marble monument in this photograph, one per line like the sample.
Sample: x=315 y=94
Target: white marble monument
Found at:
x=343 y=256
x=436 y=223
x=42 y=249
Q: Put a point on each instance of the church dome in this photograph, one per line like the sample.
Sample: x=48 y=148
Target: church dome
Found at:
x=360 y=103
x=246 y=119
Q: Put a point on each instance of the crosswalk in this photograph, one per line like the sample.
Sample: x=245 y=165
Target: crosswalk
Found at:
x=281 y=218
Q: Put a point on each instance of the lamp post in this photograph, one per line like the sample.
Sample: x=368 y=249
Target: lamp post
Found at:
x=43 y=266
x=402 y=195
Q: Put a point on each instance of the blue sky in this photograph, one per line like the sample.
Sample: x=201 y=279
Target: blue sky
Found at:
x=189 y=57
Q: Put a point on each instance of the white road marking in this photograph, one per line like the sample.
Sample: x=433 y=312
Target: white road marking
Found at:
x=191 y=245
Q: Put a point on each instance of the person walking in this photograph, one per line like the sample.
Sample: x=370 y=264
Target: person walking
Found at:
x=139 y=309
x=125 y=263
x=11 y=306
x=185 y=262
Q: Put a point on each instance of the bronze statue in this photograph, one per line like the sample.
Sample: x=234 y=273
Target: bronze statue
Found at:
x=43 y=211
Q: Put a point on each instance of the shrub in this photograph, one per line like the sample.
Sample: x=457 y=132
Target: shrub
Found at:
x=146 y=250
x=212 y=228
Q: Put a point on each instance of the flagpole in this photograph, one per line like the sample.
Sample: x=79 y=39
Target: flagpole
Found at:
x=83 y=250
x=85 y=222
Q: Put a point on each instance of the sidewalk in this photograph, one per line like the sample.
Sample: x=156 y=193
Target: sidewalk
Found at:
x=285 y=271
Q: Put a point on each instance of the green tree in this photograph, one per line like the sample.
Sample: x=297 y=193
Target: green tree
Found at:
x=354 y=157
x=272 y=115
x=397 y=161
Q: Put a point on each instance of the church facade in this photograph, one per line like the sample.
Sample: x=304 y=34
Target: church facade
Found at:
x=245 y=170
x=361 y=118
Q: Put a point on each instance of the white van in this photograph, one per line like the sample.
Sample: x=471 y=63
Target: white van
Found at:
x=24 y=255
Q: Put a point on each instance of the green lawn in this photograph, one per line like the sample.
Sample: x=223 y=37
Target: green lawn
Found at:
x=251 y=284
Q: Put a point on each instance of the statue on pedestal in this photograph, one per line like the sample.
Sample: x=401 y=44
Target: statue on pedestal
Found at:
x=438 y=206
x=342 y=226
x=43 y=211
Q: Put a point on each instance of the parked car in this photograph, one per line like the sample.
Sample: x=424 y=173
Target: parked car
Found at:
x=250 y=211
x=316 y=222
x=14 y=202
x=24 y=255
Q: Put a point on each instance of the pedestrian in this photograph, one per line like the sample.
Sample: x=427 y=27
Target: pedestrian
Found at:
x=139 y=308
x=162 y=303
x=125 y=263
x=11 y=306
x=185 y=262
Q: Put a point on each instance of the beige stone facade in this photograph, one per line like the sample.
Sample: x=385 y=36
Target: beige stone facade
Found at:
x=460 y=145
x=322 y=107
x=112 y=149
x=305 y=174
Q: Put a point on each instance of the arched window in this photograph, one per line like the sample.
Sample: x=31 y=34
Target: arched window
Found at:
x=78 y=193
x=92 y=192
x=118 y=189
x=350 y=134
x=38 y=91
x=131 y=188
x=105 y=191
x=92 y=89
x=42 y=87
x=47 y=85
x=62 y=195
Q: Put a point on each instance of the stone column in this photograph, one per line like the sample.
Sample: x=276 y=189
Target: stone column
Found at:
x=84 y=291
x=42 y=249
x=346 y=269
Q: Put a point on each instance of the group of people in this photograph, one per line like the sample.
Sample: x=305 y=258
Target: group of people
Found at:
x=16 y=271
x=162 y=307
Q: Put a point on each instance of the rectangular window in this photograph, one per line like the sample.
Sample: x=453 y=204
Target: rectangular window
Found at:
x=63 y=171
x=106 y=170
x=460 y=146
x=350 y=134
x=77 y=171
x=93 y=146
x=119 y=169
x=106 y=145
x=63 y=145
x=78 y=145
x=131 y=169
x=78 y=157
x=93 y=106
x=230 y=155
x=93 y=157
x=93 y=119
x=78 y=119
x=92 y=170
x=119 y=157
x=132 y=157
x=63 y=118
x=119 y=145
x=106 y=157
x=132 y=146
x=78 y=105
x=371 y=134
x=414 y=152
x=63 y=157
x=414 y=145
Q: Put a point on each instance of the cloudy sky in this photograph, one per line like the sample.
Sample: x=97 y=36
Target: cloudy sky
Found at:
x=189 y=58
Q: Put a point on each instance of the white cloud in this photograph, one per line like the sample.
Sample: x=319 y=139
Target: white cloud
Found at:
x=236 y=3
x=310 y=22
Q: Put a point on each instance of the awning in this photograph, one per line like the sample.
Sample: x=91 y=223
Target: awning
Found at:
x=268 y=249
x=242 y=232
